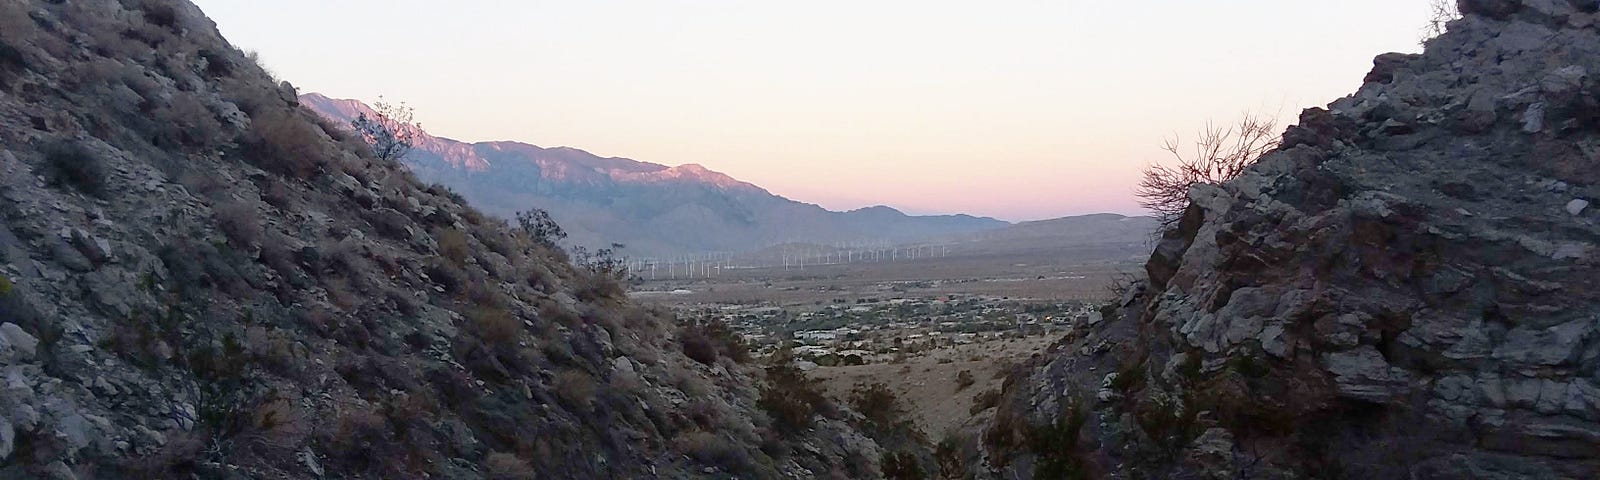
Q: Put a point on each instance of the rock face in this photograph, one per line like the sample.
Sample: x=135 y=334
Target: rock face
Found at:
x=200 y=280
x=1406 y=289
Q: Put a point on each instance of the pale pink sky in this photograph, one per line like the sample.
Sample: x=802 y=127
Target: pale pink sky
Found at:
x=1014 y=109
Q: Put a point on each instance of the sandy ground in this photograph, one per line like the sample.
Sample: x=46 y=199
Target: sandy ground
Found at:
x=927 y=388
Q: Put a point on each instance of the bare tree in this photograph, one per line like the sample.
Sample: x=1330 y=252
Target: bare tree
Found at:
x=1220 y=153
x=538 y=225
x=390 y=130
x=1440 y=13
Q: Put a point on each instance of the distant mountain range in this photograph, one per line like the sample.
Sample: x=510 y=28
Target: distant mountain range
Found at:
x=653 y=209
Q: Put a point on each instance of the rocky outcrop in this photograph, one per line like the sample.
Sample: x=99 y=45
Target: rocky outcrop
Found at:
x=198 y=279
x=1405 y=289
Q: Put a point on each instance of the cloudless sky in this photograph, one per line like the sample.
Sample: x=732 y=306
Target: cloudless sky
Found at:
x=1014 y=109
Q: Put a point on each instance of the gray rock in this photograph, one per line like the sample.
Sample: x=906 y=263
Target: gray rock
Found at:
x=1577 y=205
x=1548 y=346
x=16 y=343
x=69 y=257
x=1273 y=341
x=8 y=438
x=1212 y=453
x=58 y=470
x=309 y=459
x=96 y=249
x=1533 y=118
x=623 y=365
x=1362 y=373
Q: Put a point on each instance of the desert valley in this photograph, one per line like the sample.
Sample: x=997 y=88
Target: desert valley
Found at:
x=923 y=245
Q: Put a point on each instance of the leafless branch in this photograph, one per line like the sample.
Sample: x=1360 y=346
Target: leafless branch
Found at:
x=1219 y=154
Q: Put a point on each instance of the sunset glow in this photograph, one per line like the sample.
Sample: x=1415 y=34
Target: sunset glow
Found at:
x=1018 y=110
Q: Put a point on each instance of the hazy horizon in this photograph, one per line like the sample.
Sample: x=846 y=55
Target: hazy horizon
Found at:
x=1014 y=110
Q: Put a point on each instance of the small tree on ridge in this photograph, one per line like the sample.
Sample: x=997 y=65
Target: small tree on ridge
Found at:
x=390 y=129
x=1220 y=153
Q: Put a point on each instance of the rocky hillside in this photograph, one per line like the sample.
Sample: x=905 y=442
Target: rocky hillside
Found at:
x=653 y=209
x=200 y=279
x=1406 y=289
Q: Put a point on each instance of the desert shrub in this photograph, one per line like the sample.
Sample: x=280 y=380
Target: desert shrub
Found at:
x=952 y=463
x=984 y=401
x=790 y=398
x=964 y=379
x=575 y=387
x=360 y=441
x=1440 y=14
x=240 y=222
x=390 y=223
x=1056 y=445
x=1128 y=378
x=276 y=193
x=592 y=288
x=453 y=245
x=698 y=347
x=273 y=429
x=494 y=325
x=195 y=125
x=71 y=163
x=711 y=449
x=877 y=404
x=283 y=142
x=445 y=275
x=900 y=466
x=390 y=130
x=218 y=64
x=885 y=420
x=162 y=14
x=1220 y=154
x=343 y=256
x=506 y=466
x=705 y=339
x=536 y=224
x=12 y=62
x=203 y=184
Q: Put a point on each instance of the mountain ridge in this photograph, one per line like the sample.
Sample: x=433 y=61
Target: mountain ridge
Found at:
x=652 y=208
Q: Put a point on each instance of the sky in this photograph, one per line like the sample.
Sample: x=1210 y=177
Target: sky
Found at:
x=1020 y=110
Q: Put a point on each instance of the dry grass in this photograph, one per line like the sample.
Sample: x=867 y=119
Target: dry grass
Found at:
x=575 y=387
x=283 y=142
x=494 y=325
x=453 y=245
x=240 y=222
